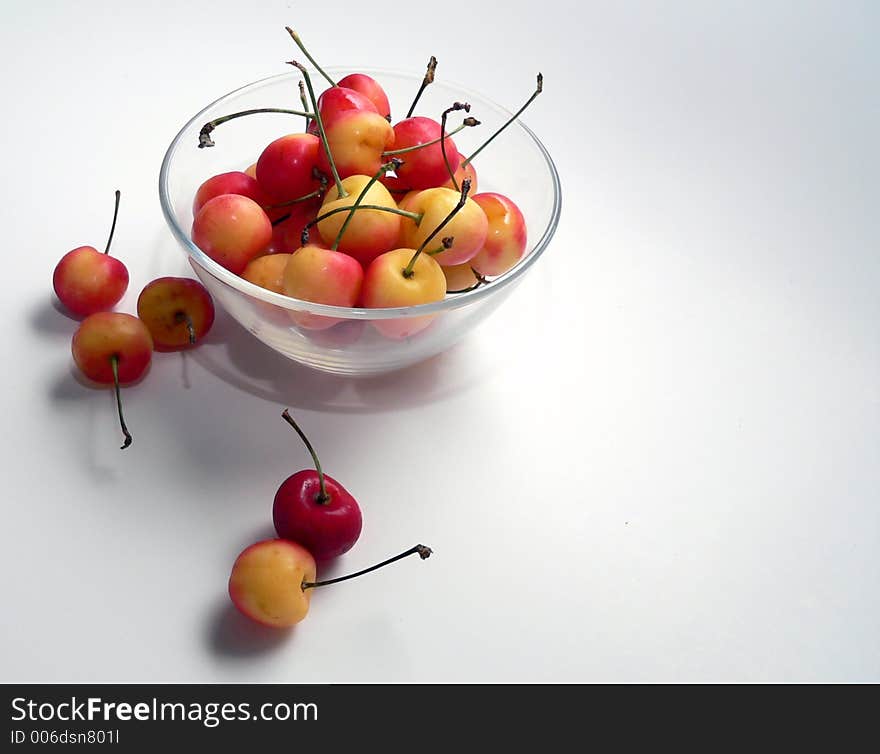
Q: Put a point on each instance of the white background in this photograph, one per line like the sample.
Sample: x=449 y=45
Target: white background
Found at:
x=660 y=460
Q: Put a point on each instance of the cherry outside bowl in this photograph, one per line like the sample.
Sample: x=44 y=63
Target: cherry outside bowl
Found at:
x=515 y=164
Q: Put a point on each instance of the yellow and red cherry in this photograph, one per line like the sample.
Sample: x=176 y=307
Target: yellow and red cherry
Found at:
x=469 y=226
x=506 y=239
x=271 y=581
x=337 y=100
x=285 y=168
x=321 y=276
x=234 y=182
x=371 y=89
x=357 y=139
x=113 y=348
x=315 y=510
x=363 y=233
x=424 y=167
x=232 y=230
x=404 y=277
x=266 y=583
x=178 y=312
x=267 y=271
x=462 y=277
x=397 y=278
x=87 y=280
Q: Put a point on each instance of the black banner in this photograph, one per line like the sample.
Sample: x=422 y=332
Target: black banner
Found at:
x=142 y=717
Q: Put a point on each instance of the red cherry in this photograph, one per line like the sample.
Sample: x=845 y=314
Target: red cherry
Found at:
x=316 y=511
x=370 y=88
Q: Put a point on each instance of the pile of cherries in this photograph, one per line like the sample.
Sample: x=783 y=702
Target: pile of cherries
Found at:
x=316 y=520
x=356 y=211
x=173 y=314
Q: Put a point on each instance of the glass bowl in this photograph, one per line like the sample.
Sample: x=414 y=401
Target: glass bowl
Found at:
x=516 y=164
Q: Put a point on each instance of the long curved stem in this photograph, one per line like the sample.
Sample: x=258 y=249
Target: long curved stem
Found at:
x=340 y=189
x=205 y=139
x=538 y=89
x=305 y=52
x=465 y=187
x=322 y=497
x=114 y=365
x=113 y=226
x=456 y=106
x=423 y=553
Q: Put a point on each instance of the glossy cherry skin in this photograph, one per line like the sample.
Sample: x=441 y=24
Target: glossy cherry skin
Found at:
x=285 y=167
x=266 y=582
x=337 y=100
x=232 y=230
x=321 y=276
x=325 y=529
x=233 y=182
x=506 y=239
x=267 y=271
x=423 y=168
x=370 y=88
x=164 y=305
x=102 y=336
x=357 y=140
x=88 y=281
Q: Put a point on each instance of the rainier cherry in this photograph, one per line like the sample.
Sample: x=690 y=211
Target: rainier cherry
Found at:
x=232 y=230
x=111 y=347
x=404 y=277
x=178 y=312
x=370 y=88
x=469 y=226
x=285 y=169
x=506 y=239
x=315 y=510
x=88 y=281
x=322 y=276
x=271 y=581
x=267 y=271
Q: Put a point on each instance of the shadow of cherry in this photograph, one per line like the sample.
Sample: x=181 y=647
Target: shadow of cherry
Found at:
x=232 y=635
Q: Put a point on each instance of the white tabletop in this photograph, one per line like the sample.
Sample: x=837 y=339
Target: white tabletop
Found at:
x=657 y=461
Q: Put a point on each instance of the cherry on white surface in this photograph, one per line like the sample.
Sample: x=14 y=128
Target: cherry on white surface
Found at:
x=657 y=461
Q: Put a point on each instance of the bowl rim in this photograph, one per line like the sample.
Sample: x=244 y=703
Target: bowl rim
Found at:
x=236 y=282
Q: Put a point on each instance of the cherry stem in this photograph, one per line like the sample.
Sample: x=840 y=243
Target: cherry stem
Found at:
x=183 y=318
x=305 y=197
x=305 y=52
x=114 y=365
x=414 y=216
x=423 y=552
x=322 y=497
x=456 y=106
x=481 y=280
x=113 y=226
x=392 y=165
x=205 y=139
x=467 y=122
x=305 y=102
x=429 y=79
x=340 y=189
x=445 y=244
x=538 y=89
x=465 y=187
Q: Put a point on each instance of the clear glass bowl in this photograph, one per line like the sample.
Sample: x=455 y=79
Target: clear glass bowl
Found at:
x=516 y=164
